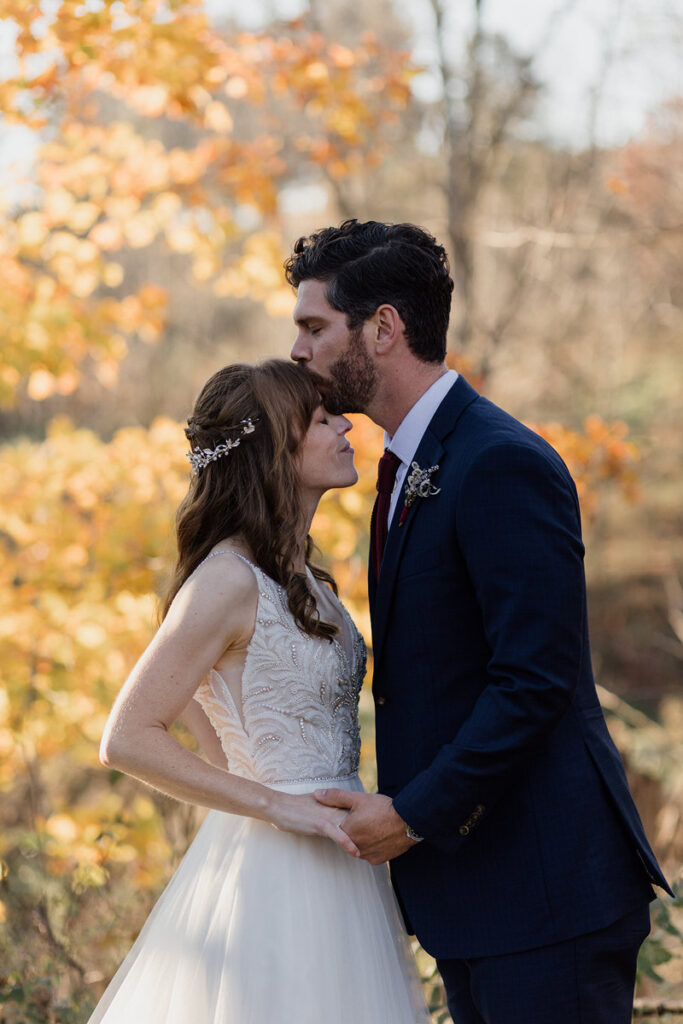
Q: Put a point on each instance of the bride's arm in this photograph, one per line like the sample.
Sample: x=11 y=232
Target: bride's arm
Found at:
x=213 y=611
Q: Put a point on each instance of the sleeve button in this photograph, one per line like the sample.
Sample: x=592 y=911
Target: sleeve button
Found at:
x=464 y=830
x=380 y=702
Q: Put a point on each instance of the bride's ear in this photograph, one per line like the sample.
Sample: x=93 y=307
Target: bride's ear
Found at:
x=388 y=328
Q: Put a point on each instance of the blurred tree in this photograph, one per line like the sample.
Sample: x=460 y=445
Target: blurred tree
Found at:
x=107 y=86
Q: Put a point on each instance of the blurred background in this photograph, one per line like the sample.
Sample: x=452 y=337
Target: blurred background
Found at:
x=157 y=160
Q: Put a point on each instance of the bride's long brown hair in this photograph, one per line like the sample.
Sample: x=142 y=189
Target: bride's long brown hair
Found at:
x=254 y=489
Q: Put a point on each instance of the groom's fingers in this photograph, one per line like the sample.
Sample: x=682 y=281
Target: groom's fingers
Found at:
x=335 y=797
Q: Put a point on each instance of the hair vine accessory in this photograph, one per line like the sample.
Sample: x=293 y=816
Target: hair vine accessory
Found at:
x=200 y=457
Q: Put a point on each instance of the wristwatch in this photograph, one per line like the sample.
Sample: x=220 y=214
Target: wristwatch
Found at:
x=412 y=834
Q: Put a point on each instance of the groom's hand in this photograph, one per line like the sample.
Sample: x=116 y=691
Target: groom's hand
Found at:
x=372 y=823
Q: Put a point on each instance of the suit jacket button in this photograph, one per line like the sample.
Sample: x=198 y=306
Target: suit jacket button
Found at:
x=464 y=830
x=380 y=702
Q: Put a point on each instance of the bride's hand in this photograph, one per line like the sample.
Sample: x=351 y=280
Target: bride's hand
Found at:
x=302 y=814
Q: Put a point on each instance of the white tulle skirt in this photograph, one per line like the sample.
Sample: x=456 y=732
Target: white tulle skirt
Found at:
x=259 y=926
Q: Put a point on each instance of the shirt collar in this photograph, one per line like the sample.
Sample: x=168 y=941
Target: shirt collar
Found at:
x=410 y=431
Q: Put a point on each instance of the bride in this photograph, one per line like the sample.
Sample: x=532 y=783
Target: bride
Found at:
x=271 y=918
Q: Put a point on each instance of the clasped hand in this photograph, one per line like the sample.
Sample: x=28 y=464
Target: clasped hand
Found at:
x=303 y=815
x=375 y=828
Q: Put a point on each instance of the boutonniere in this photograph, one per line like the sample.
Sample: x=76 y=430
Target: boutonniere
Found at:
x=418 y=485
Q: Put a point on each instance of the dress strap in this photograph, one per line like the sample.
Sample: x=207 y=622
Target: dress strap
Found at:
x=226 y=551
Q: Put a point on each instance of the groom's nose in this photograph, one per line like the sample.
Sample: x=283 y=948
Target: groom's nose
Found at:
x=301 y=352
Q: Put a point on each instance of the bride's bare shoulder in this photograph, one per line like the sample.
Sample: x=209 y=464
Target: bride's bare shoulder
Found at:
x=222 y=588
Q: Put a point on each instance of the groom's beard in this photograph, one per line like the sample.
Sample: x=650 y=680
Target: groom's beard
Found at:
x=352 y=381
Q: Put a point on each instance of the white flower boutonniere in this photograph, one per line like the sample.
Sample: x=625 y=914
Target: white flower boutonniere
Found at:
x=418 y=485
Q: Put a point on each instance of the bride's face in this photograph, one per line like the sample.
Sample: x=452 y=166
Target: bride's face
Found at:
x=325 y=456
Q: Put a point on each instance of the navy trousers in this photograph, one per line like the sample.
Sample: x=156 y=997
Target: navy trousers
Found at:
x=585 y=980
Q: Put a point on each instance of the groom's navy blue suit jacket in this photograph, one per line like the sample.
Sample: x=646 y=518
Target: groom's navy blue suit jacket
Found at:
x=490 y=736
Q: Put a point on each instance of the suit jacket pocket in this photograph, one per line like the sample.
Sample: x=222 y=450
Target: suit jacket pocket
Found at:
x=422 y=559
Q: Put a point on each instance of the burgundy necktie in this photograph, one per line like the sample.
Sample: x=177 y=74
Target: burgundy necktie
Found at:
x=386 y=478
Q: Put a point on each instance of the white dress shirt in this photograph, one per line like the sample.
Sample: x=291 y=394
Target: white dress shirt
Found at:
x=410 y=432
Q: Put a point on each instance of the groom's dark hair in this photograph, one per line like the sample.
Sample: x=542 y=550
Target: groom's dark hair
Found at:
x=368 y=264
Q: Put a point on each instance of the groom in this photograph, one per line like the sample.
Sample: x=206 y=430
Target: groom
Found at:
x=516 y=851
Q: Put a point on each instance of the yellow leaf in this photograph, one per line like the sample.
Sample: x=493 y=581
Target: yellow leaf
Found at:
x=341 y=56
x=82 y=216
x=67 y=382
x=112 y=274
x=32 y=229
x=74 y=554
x=107 y=235
x=61 y=826
x=236 y=87
x=166 y=204
x=140 y=231
x=58 y=205
x=317 y=72
x=180 y=239
x=204 y=268
x=107 y=373
x=143 y=808
x=37 y=336
x=83 y=283
x=217 y=118
x=151 y=100
x=91 y=635
x=41 y=384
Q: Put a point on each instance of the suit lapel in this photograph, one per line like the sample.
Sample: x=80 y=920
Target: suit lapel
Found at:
x=430 y=452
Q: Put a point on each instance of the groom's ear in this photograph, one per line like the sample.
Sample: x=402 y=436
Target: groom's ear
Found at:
x=388 y=328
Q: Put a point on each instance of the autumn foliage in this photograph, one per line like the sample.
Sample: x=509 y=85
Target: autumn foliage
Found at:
x=103 y=188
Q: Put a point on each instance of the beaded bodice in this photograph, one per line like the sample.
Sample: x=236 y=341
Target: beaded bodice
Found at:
x=298 y=719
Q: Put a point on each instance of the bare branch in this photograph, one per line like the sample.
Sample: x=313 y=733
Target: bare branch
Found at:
x=608 y=56
x=631 y=716
x=546 y=238
x=553 y=24
x=45 y=927
x=655 y=1008
x=472 y=150
x=666 y=643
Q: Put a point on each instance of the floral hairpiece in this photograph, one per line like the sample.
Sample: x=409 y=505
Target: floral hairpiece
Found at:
x=200 y=457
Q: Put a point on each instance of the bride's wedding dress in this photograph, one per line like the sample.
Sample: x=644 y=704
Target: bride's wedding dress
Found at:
x=259 y=926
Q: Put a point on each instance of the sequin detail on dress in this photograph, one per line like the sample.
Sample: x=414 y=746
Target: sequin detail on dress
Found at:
x=299 y=719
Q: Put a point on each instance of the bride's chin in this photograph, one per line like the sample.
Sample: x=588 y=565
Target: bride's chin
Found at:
x=348 y=480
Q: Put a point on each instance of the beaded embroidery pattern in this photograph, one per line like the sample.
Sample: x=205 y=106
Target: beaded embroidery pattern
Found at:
x=300 y=693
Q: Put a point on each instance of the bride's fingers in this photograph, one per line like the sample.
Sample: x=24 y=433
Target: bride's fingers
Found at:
x=339 y=836
x=340 y=821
